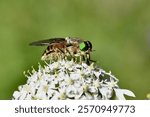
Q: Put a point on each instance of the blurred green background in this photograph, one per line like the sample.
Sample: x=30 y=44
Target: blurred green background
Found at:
x=118 y=29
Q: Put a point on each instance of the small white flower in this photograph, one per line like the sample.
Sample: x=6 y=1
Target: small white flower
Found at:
x=75 y=76
x=106 y=93
x=16 y=94
x=111 y=84
x=71 y=91
x=121 y=92
x=55 y=95
x=93 y=89
x=96 y=83
x=63 y=80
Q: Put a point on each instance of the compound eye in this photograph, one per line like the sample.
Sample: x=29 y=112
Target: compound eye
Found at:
x=83 y=46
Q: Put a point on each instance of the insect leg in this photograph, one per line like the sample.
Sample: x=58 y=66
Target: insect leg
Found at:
x=88 y=58
x=62 y=53
x=68 y=54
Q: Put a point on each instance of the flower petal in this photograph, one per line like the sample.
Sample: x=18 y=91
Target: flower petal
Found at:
x=120 y=93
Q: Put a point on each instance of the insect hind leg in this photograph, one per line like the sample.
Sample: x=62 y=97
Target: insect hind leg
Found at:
x=60 y=54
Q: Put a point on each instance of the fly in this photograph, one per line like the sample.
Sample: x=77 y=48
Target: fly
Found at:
x=64 y=48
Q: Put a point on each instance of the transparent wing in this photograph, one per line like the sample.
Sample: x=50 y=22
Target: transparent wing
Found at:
x=47 y=42
x=74 y=39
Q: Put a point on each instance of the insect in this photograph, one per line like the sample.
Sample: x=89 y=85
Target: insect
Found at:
x=58 y=48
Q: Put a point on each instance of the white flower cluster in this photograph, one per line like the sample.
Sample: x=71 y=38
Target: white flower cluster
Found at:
x=69 y=80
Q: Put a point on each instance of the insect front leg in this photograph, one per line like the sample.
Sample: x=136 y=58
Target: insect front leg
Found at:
x=87 y=58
